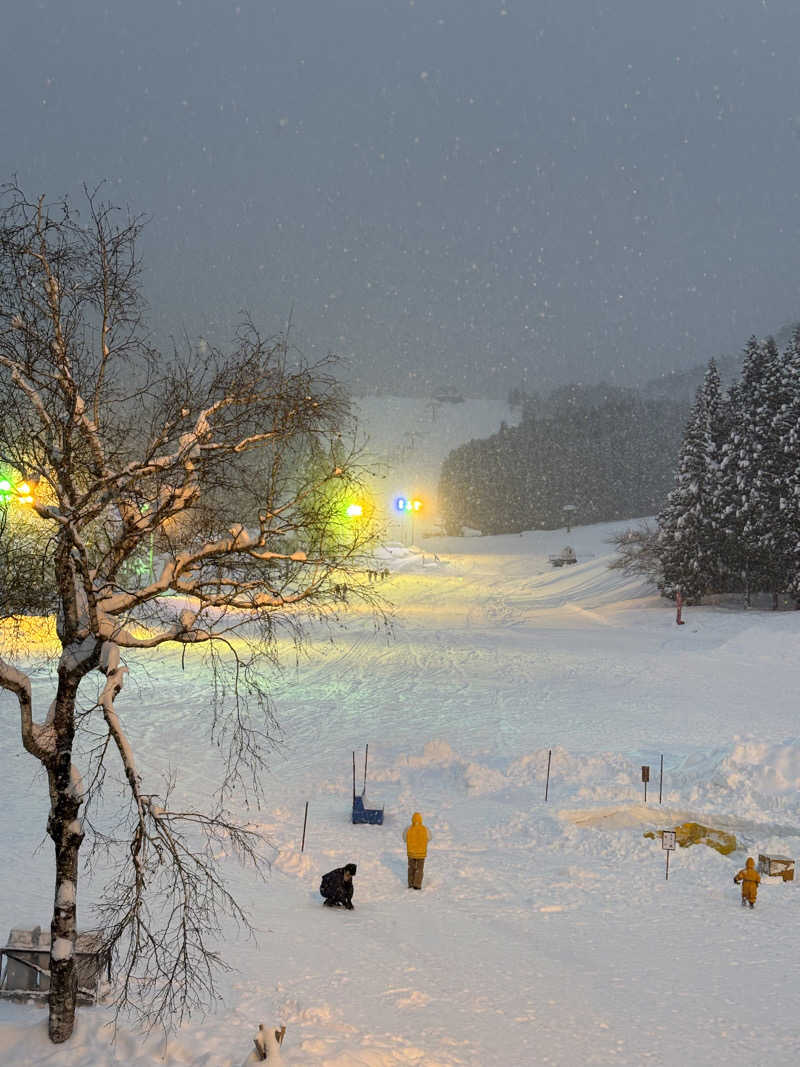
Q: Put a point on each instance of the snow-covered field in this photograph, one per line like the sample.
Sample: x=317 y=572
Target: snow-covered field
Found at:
x=545 y=933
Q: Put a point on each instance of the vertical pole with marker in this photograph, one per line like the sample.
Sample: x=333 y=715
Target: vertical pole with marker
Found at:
x=645 y=779
x=668 y=844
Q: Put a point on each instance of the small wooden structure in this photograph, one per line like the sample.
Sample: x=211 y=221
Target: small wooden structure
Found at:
x=776 y=866
x=25 y=961
x=564 y=557
x=361 y=813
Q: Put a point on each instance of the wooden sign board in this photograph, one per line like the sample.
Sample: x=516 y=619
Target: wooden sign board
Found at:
x=782 y=866
x=645 y=774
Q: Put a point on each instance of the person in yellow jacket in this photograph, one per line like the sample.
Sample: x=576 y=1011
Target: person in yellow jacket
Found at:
x=749 y=877
x=416 y=837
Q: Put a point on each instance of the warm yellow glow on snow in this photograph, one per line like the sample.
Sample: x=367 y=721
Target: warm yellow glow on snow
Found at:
x=31 y=636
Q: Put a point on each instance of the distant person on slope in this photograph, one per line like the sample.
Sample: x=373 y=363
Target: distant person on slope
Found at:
x=749 y=877
x=416 y=837
x=337 y=887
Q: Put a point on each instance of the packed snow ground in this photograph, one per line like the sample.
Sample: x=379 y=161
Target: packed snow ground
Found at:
x=545 y=933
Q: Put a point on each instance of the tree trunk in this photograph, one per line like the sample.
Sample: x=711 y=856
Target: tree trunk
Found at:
x=65 y=828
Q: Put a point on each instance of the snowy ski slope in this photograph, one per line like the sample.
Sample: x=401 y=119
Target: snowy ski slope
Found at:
x=545 y=932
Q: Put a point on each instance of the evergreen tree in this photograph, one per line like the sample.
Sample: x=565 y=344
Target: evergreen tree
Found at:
x=753 y=471
x=689 y=538
x=786 y=434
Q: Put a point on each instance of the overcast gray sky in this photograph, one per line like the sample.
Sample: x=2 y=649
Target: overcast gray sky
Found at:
x=464 y=192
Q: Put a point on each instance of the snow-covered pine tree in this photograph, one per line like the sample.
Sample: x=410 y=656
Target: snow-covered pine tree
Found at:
x=785 y=526
x=753 y=470
x=690 y=544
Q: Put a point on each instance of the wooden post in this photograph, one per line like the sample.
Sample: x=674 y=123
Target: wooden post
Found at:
x=260 y=1041
x=366 y=757
x=666 y=876
x=661 y=782
x=305 y=820
x=547 y=783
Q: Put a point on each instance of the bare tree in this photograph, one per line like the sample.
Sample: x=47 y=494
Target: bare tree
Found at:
x=637 y=552
x=221 y=478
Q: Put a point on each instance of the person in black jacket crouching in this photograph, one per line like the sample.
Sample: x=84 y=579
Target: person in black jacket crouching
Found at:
x=337 y=887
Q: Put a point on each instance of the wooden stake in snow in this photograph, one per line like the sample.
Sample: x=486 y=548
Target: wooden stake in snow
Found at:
x=366 y=757
x=305 y=820
x=547 y=783
x=661 y=779
x=260 y=1041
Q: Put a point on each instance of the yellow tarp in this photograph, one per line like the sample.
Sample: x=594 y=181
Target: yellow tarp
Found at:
x=694 y=833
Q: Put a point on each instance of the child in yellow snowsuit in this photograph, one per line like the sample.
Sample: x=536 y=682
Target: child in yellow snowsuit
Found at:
x=749 y=877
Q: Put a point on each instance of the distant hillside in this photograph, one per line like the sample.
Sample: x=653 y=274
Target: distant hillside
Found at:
x=681 y=386
x=590 y=453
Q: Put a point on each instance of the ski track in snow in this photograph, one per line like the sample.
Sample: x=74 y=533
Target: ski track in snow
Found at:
x=545 y=933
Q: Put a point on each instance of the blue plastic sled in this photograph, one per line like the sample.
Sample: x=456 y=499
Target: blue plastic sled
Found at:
x=374 y=816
